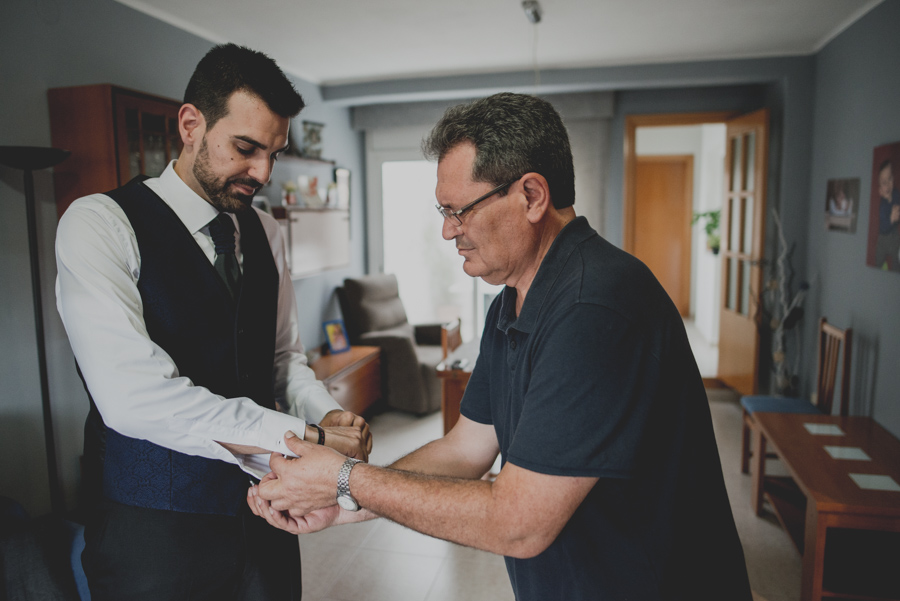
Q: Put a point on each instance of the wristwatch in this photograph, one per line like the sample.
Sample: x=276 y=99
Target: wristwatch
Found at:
x=344 y=498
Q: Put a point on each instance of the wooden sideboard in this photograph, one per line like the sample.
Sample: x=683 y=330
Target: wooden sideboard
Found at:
x=353 y=377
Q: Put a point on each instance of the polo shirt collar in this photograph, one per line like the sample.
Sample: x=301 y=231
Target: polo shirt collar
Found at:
x=193 y=210
x=574 y=233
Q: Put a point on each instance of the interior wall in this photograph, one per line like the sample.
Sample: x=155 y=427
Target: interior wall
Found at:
x=51 y=44
x=857 y=108
x=394 y=132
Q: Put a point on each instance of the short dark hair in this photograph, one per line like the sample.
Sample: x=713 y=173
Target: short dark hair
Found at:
x=513 y=134
x=885 y=164
x=228 y=68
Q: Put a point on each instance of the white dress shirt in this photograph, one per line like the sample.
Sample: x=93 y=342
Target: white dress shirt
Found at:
x=134 y=383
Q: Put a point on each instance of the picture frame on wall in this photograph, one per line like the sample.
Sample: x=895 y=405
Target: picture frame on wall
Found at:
x=883 y=249
x=336 y=336
x=841 y=205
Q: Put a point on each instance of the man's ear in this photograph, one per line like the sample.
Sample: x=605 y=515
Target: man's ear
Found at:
x=191 y=125
x=537 y=196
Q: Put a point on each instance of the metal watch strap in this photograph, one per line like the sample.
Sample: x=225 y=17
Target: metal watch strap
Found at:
x=343 y=484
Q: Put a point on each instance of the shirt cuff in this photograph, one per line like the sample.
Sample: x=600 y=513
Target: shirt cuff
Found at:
x=273 y=428
x=255 y=465
x=316 y=405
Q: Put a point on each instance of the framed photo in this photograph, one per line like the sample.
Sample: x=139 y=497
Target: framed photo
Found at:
x=336 y=335
x=883 y=250
x=841 y=205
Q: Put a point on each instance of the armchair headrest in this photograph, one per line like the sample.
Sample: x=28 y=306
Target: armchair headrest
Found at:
x=371 y=303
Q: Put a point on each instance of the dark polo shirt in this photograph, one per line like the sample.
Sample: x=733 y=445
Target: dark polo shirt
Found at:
x=596 y=378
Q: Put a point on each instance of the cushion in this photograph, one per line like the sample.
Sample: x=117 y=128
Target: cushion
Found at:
x=375 y=302
x=775 y=404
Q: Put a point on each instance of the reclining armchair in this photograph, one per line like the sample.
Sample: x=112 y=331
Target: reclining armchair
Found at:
x=374 y=316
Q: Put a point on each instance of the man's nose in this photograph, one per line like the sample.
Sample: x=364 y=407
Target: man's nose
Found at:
x=261 y=170
x=449 y=229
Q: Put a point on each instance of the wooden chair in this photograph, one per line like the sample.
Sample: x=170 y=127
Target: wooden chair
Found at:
x=831 y=342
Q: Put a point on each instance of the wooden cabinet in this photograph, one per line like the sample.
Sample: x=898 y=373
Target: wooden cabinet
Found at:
x=114 y=134
x=353 y=378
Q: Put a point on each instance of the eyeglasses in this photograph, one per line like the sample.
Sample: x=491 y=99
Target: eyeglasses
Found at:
x=455 y=217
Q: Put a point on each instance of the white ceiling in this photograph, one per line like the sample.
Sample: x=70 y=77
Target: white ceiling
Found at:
x=344 y=41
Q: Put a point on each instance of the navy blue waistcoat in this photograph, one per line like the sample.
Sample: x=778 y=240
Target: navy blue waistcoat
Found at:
x=224 y=345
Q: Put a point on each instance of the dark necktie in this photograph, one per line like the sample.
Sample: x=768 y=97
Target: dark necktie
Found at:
x=222 y=231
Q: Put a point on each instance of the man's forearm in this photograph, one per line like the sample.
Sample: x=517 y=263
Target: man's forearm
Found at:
x=439 y=459
x=474 y=513
x=452 y=509
x=467 y=451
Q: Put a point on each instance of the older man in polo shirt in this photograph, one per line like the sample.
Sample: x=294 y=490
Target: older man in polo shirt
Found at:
x=611 y=486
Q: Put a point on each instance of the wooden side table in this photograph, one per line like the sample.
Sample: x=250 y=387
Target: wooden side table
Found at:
x=453 y=381
x=353 y=377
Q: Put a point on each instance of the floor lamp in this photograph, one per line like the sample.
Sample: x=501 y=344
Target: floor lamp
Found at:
x=29 y=158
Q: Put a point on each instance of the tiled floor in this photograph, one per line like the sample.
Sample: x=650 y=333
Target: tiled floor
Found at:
x=381 y=561
x=772 y=561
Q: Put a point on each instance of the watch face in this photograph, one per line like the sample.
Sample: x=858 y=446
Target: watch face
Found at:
x=348 y=503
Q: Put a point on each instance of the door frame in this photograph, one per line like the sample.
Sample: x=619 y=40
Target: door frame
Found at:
x=632 y=122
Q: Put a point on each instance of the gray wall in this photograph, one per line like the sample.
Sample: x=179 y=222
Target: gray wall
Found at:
x=857 y=108
x=50 y=44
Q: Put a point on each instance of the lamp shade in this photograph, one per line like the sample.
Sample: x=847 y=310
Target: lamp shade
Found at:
x=31 y=157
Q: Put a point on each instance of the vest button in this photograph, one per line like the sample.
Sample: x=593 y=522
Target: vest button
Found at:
x=512 y=344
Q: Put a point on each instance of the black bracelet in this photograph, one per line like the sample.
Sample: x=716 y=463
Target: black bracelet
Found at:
x=321 y=433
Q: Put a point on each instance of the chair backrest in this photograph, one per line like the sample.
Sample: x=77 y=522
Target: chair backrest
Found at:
x=371 y=303
x=451 y=336
x=831 y=341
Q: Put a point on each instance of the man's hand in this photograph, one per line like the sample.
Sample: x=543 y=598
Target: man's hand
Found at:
x=314 y=521
x=345 y=432
x=338 y=418
x=304 y=483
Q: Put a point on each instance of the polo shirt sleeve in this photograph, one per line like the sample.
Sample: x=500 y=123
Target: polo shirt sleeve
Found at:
x=476 y=401
x=588 y=401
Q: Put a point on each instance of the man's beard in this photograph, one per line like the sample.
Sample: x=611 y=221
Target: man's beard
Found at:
x=219 y=192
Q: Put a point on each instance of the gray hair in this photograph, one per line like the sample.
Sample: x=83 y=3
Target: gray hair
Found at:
x=513 y=134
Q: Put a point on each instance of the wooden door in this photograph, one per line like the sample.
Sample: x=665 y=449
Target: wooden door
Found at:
x=662 y=222
x=743 y=229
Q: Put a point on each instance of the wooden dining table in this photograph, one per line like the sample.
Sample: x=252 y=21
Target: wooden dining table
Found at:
x=841 y=503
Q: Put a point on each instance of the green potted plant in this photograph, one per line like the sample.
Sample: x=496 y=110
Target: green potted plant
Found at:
x=711 y=228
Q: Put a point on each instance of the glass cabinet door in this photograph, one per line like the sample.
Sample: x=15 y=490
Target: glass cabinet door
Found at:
x=147 y=132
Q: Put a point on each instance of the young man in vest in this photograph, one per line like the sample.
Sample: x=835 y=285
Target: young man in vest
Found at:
x=611 y=486
x=181 y=314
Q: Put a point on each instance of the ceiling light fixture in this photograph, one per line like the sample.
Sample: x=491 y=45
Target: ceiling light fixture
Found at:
x=532 y=10
x=534 y=13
